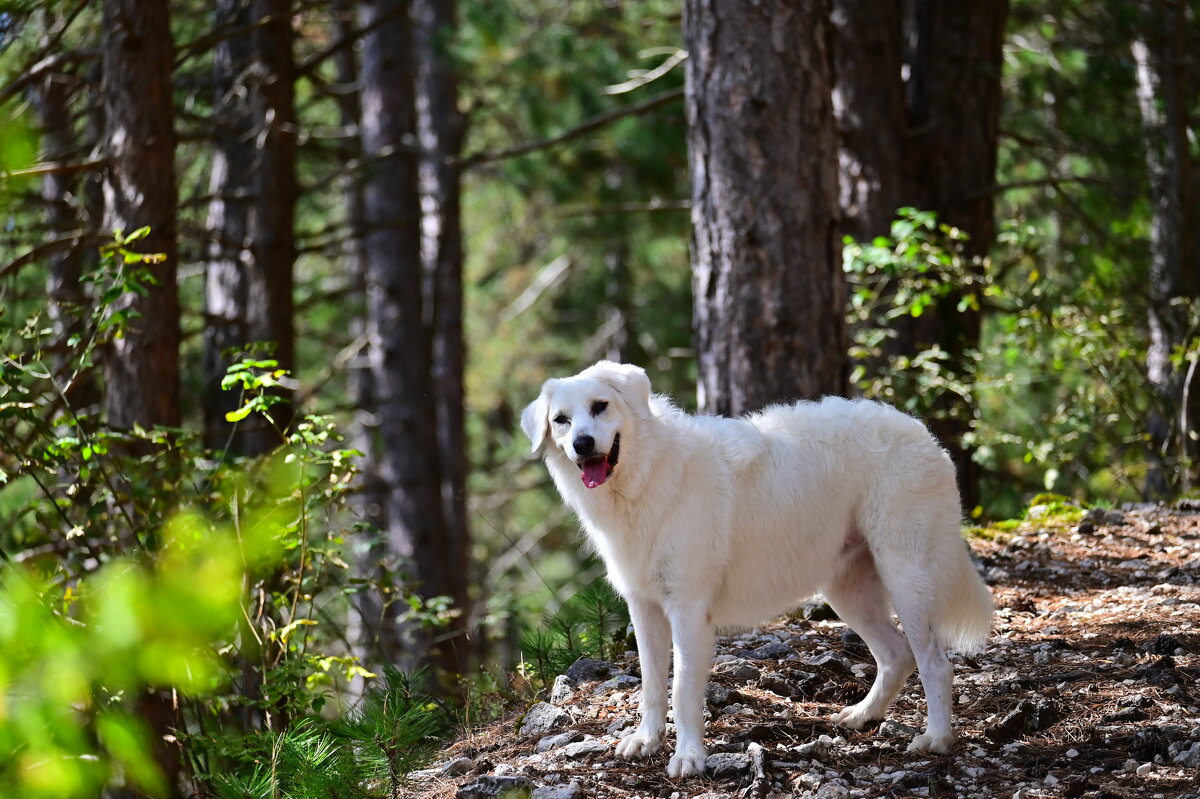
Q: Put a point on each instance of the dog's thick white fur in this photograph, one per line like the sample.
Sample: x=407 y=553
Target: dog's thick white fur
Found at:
x=707 y=522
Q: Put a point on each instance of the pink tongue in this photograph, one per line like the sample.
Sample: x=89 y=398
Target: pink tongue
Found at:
x=595 y=471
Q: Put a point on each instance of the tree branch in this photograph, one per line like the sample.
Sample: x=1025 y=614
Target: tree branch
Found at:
x=648 y=76
x=587 y=126
x=43 y=61
x=209 y=40
x=348 y=40
x=54 y=168
x=49 y=248
x=626 y=208
x=1033 y=183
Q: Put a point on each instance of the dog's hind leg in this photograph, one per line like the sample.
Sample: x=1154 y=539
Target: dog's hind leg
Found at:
x=860 y=599
x=915 y=609
x=654 y=653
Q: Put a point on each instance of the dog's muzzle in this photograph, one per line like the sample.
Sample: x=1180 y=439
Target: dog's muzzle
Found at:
x=598 y=468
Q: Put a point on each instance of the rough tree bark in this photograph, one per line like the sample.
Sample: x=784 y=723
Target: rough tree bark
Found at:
x=365 y=623
x=63 y=287
x=399 y=335
x=142 y=368
x=868 y=102
x=248 y=291
x=766 y=254
x=953 y=96
x=1161 y=56
x=441 y=128
x=953 y=104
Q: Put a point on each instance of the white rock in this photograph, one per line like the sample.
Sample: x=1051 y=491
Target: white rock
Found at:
x=562 y=690
x=544 y=718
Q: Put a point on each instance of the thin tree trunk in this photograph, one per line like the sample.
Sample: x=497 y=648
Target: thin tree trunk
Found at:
x=441 y=127
x=399 y=337
x=869 y=105
x=953 y=92
x=768 y=285
x=63 y=287
x=249 y=280
x=230 y=185
x=270 y=303
x=1163 y=95
x=367 y=620
x=142 y=369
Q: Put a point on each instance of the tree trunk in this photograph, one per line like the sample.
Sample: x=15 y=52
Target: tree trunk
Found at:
x=400 y=340
x=248 y=293
x=953 y=99
x=226 y=277
x=768 y=286
x=869 y=106
x=142 y=368
x=63 y=287
x=369 y=617
x=441 y=127
x=1163 y=95
x=953 y=104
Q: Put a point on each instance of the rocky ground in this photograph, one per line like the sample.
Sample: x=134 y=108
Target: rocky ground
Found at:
x=1086 y=689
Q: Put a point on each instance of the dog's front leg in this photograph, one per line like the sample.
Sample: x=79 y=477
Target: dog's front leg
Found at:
x=693 y=635
x=654 y=652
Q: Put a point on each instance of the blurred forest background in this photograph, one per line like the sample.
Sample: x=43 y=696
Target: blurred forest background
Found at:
x=277 y=277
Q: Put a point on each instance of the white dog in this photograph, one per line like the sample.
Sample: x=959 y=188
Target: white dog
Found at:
x=707 y=522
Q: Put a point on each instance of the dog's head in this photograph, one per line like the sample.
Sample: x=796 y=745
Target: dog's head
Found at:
x=583 y=416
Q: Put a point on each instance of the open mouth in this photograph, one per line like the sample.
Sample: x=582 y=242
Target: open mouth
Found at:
x=599 y=468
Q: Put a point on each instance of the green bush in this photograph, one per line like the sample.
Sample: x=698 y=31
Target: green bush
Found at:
x=139 y=567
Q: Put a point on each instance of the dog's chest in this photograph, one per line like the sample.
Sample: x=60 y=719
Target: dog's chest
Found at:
x=630 y=552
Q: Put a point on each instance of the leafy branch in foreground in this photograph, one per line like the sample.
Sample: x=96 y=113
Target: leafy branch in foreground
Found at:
x=138 y=562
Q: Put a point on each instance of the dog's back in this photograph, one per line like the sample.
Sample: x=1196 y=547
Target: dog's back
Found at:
x=812 y=481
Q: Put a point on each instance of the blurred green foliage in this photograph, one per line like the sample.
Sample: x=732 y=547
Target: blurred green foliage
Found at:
x=144 y=564
x=74 y=657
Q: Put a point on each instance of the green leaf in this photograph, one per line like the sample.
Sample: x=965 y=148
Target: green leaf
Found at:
x=129 y=745
x=240 y=414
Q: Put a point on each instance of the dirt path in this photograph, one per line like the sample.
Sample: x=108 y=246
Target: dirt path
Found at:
x=1086 y=689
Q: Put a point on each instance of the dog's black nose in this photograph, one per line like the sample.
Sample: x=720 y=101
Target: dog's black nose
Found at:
x=584 y=445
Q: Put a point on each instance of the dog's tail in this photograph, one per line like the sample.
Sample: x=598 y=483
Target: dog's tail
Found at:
x=966 y=608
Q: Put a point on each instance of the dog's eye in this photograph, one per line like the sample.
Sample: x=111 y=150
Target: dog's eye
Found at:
x=561 y=419
x=599 y=407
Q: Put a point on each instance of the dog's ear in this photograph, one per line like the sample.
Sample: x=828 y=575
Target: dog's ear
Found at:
x=533 y=418
x=631 y=383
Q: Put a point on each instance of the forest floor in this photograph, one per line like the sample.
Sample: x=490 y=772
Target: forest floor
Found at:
x=1087 y=688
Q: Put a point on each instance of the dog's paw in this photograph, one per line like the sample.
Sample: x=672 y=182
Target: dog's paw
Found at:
x=936 y=744
x=641 y=742
x=686 y=761
x=855 y=717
